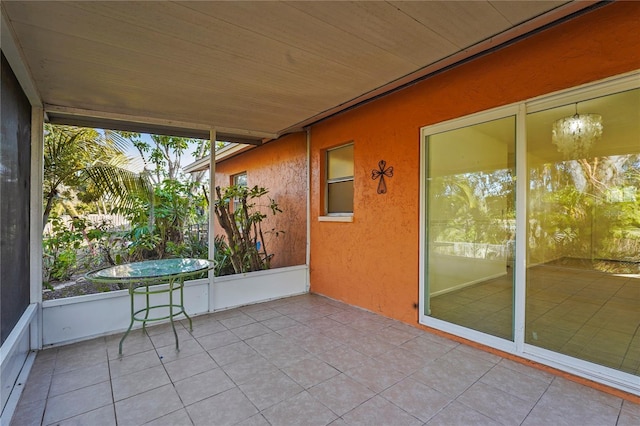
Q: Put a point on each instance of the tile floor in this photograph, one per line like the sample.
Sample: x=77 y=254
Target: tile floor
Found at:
x=582 y=313
x=305 y=360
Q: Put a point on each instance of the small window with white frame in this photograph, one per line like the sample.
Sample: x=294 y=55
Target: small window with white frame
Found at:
x=339 y=181
x=239 y=179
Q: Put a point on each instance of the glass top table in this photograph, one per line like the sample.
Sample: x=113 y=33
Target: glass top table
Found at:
x=150 y=270
x=144 y=279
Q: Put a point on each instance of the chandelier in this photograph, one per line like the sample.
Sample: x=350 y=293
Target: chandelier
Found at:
x=575 y=135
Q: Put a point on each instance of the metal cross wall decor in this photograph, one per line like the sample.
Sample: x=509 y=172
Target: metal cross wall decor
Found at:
x=382 y=171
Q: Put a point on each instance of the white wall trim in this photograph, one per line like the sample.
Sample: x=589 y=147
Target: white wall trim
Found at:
x=13 y=355
x=346 y=219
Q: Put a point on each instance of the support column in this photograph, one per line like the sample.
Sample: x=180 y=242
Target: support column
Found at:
x=35 y=222
x=212 y=215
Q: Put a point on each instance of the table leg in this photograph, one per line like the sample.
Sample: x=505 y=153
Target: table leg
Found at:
x=146 y=312
x=130 y=323
x=173 y=326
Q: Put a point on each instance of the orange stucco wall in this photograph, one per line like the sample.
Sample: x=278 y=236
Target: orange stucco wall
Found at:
x=279 y=166
x=373 y=262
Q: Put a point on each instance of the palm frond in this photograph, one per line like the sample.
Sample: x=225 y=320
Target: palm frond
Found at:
x=120 y=185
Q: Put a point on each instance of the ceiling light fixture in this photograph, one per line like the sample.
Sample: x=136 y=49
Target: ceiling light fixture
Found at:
x=575 y=135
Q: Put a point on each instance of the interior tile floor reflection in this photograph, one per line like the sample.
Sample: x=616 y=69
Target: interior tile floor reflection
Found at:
x=571 y=309
x=304 y=360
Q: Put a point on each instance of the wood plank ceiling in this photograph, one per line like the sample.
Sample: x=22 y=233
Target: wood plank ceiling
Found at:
x=254 y=69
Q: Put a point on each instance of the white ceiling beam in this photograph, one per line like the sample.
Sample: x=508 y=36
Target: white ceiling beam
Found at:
x=78 y=115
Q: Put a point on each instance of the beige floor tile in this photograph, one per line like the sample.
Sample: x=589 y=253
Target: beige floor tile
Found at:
x=417 y=399
x=521 y=368
x=104 y=416
x=79 y=378
x=310 y=372
x=80 y=401
x=457 y=414
x=343 y=334
x=341 y=394
x=155 y=329
x=287 y=356
x=344 y=358
x=203 y=385
x=29 y=413
x=631 y=408
x=316 y=343
x=274 y=368
x=217 y=340
x=239 y=320
x=370 y=345
x=628 y=419
x=486 y=356
x=296 y=332
x=133 y=363
x=208 y=326
x=280 y=322
x=177 y=418
x=45 y=362
x=246 y=369
x=169 y=339
x=402 y=360
x=188 y=348
x=263 y=314
x=142 y=381
x=299 y=409
x=257 y=420
x=250 y=330
x=37 y=386
x=234 y=352
x=394 y=336
x=147 y=406
x=227 y=408
x=75 y=359
x=136 y=341
x=496 y=404
x=560 y=408
x=189 y=366
x=567 y=390
x=376 y=377
x=265 y=390
x=453 y=373
x=519 y=385
x=379 y=411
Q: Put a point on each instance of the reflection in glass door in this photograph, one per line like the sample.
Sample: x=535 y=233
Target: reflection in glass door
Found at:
x=471 y=226
x=583 y=260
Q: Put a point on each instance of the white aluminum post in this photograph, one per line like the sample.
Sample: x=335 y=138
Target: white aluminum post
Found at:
x=520 y=260
x=308 y=245
x=212 y=215
x=35 y=222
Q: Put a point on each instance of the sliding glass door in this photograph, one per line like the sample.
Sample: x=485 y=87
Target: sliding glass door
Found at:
x=583 y=262
x=571 y=291
x=471 y=226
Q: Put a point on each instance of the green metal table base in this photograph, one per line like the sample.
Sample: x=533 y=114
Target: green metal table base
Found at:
x=143 y=279
x=144 y=289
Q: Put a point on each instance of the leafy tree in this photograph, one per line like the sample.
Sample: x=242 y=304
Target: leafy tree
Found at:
x=164 y=156
x=83 y=160
x=159 y=224
x=242 y=224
